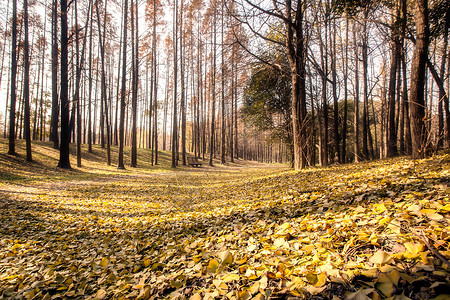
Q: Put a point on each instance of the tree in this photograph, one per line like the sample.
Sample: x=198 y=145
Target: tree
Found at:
x=64 y=154
x=135 y=81
x=79 y=66
x=175 y=84
x=396 y=48
x=291 y=14
x=418 y=68
x=104 y=95
x=55 y=102
x=123 y=90
x=267 y=102
x=26 y=83
x=213 y=89
x=12 y=109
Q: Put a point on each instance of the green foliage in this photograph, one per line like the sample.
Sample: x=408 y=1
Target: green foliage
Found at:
x=267 y=100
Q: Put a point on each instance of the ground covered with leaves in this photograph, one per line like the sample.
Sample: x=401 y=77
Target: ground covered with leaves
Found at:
x=372 y=230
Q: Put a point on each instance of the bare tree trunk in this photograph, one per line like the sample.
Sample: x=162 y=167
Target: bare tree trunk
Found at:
x=213 y=92
x=418 y=73
x=27 y=83
x=296 y=55
x=90 y=86
x=175 y=86
x=41 y=110
x=64 y=160
x=79 y=67
x=104 y=94
x=166 y=104
x=337 y=153
x=183 y=89
x=344 y=122
x=55 y=102
x=356 y=121
x=441 y=130
x=395 y=55
x=123 y=89
x=365 y=117
x=12 y=109
x=223 y=149
x=135 y=71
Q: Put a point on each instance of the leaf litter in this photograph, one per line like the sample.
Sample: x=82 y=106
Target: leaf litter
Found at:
x=375 y=230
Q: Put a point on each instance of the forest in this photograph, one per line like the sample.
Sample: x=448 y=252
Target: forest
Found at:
x=213 y=149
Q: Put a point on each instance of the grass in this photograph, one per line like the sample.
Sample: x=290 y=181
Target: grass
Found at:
x=45 y=161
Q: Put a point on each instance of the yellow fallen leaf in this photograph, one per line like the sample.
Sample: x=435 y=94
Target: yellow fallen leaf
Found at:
x=359 y=295
x=244 y=295
x=380 y=257
x=428 y=211
x=104 y=262
x=101 y=294
x=226 y=257
x=230 y=277
x=313 y=290
x=254 y=288
x=321 y=280
x=196 y=296
x=381 y=208
x=147 y=262
x=212 y=267
x=413 y=250
x=435 y=217
x=309 y=248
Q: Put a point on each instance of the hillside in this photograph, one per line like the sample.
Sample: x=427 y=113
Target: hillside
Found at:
x=370 y=230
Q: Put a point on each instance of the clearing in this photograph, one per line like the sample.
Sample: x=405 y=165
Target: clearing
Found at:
x=244 y=230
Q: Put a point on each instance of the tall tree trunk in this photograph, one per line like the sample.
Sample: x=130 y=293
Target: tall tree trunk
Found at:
x=64 y=160
x=365 y=117
x=233 y=57
x=90 y=85
x=104 y=94
x=183 y=90
x=175 y=86
x=135 y=70
x=442 y=95
x=123 y=89
x=324 y=159
x=79 y=67
x=395 y=56
x=418 y=73
x=34 y=134
x=408 y=142
x=337 y=138
x=356 y=114
x=27 y=83
x=155 y=93
x=41 y=110
x=213 y=92
x=54 y=137
x=344 y=121
x=12 y=107
x=296 y=56
x=222 y=156
x=166 y=107
x=116 y=114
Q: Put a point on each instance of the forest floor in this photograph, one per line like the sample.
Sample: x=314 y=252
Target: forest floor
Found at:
x=244 y=230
